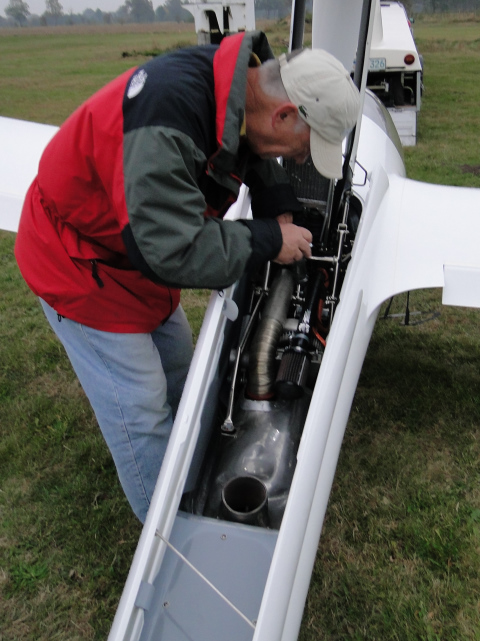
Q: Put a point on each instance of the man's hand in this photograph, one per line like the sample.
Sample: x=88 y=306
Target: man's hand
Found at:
x=296 y=243
x=285 y=218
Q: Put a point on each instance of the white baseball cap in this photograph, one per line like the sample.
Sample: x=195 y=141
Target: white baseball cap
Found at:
x=327 y=100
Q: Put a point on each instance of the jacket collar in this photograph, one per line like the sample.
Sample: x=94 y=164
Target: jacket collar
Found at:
x=230 y=65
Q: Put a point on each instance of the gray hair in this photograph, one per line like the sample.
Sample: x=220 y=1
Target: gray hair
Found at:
x=271 y=81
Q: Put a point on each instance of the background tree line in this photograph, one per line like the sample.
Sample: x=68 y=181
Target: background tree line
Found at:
x=18 y=11
x=18 y=14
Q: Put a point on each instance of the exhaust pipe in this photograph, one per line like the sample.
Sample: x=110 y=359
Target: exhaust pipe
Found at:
x=261 y=367
x=244 y=500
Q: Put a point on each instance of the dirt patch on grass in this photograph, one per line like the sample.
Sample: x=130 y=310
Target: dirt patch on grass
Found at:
x=470 y=169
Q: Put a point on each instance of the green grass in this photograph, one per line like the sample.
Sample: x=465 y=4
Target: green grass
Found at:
x=50 y=71
x=398 y=558
x=446 y=150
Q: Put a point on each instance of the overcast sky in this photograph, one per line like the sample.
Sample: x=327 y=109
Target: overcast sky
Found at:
x=76 y=6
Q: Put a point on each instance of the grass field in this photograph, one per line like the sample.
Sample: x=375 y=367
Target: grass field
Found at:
x=399 y=555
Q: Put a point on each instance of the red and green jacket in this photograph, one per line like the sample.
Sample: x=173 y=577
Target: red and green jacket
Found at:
x=128 y=203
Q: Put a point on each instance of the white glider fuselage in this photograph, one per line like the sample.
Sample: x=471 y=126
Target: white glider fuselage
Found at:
x=404 y=241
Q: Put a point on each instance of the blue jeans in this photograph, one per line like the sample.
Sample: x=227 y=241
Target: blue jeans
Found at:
x=134 y=383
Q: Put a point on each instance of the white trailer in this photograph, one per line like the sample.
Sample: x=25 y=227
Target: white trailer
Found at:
x=395 y=73
x=215 y=19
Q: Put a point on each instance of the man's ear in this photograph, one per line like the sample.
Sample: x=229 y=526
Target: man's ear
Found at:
x=286 y=113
